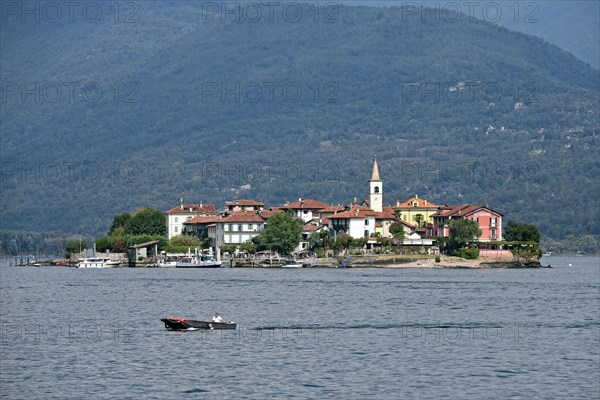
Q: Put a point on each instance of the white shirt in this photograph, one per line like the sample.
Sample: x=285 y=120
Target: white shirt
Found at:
x=217 y=318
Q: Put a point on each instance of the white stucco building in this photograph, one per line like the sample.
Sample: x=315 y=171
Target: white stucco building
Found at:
x=185 y=212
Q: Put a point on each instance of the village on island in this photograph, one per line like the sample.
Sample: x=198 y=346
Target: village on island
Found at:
x=312 y=233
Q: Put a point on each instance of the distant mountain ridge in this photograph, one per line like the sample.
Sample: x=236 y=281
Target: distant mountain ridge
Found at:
x=573 y=25
x=210 y=111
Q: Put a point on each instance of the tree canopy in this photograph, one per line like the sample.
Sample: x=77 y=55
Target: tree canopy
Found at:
x=75 y=246
x=282 y=233
x=518 y=232
x=146 y=221
x=463 y=231
x=397 y=229
x=118 y=224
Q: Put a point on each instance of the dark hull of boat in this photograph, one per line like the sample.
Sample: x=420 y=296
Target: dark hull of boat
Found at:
x=182 y=324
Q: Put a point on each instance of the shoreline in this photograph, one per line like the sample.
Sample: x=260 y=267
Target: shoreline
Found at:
x=392 y=262
x=452 y=263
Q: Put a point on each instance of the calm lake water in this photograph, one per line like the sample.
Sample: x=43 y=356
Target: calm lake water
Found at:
x=306 y=333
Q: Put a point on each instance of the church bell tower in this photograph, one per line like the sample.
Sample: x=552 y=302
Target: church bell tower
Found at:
x=375 y=189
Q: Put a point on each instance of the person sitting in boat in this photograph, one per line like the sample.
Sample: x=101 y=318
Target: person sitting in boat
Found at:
x=217 y=318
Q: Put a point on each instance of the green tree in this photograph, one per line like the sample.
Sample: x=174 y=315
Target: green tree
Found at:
x=248 y=247
x=119 y=222
x=228 y=248
x=397 y=229
x=105 y=243
x=74 y=246
x=325 y=238
x=419 y=219
x=385 y=242
x=282 y=233
x=314 y=241
x=398 y=213
x=118 y=232
x=120 y=246
x=343 y=241
x=207 y=242
x=516 y=232
x=146 y=221
x=463 y=231
x=183 y=240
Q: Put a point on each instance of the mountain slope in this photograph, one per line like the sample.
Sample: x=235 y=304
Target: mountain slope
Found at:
x=573 y=25
x=207 y=110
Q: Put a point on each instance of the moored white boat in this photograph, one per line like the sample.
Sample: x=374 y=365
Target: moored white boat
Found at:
x=97 y=262
x=200 y=260
x=167 y=264
x=291 y=264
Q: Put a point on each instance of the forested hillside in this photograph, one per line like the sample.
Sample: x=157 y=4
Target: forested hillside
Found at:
x=573 y=25
x=172 y=102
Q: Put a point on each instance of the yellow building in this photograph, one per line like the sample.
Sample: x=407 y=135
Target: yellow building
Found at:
x=409 y=210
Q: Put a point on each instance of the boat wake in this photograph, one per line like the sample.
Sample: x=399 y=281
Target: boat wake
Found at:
x=374 y=326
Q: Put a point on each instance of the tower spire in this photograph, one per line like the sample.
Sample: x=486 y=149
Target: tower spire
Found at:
x=375 y=189
x=375 y=172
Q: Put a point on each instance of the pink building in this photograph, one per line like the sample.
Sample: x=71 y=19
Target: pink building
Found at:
x=489 y=221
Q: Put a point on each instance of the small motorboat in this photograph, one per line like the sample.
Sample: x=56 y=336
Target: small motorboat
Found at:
x=184 y=324
x=291 y=264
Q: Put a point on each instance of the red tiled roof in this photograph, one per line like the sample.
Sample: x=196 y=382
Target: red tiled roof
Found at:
x=407 y=224
x=311 y=228
x=421 y=203
x=269 y=213
x=245 y=202
x=309 y=204
x=461 y=210
x=243 y=216
x=387 y=213
x=446 y=210
x=354 y=212
x=332 y=209
x=202 y=219
x=207 y=209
